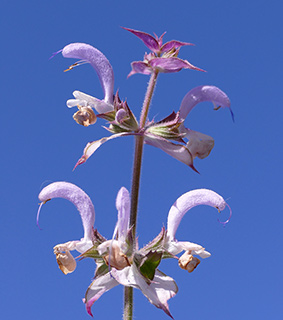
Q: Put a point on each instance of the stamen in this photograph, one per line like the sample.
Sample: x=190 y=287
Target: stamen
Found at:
x=230 y=215
x=76 y=64
x=216 y=107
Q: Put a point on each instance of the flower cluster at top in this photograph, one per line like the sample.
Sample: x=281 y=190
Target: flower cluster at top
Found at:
x=117 y=261
x=169 y=134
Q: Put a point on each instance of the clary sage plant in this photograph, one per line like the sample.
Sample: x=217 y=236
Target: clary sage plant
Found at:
x=119 y=260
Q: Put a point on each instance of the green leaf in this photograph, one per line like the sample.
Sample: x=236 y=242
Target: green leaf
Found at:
x=149 y=264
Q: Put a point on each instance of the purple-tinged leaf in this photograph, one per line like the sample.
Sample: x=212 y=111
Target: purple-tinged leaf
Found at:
x=140 y=67
x=169 y=65
x=147 y=39
x=174 y=44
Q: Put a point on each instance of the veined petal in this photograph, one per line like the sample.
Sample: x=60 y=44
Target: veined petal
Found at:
x=146 y=38
x=169 y=65
x=123 y=205
x=174 y=44
x=97 y=288
x=200 y=94
x=82 y=202
x=158 y=292
x=186 y=202
x=98 y=61
x=91 y=147
x=140 y=67
x=85 y=100
x=200 y=145
x=177 y=151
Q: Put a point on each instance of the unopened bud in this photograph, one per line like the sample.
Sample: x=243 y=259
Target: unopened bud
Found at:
x=66 y=261
x=188 y=262
x=85 y=116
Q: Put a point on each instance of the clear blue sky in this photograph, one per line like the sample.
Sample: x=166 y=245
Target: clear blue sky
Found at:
x=239 y=43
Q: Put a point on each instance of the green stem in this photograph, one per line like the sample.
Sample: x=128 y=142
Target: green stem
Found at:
x=139 y=140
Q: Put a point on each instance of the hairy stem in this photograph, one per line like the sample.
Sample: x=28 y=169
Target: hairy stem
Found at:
x=139 y=140
x=128 y=303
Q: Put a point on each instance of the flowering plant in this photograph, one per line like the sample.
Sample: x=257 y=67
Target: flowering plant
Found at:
x=120 y=260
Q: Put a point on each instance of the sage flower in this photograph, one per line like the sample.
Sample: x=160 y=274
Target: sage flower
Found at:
x=199 y=144
x=81 y=200
x=88 y=54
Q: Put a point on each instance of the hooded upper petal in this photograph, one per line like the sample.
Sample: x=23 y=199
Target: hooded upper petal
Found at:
x=123 y=205
x=200 y=94
x=82 y=202
x=99 y=62
x=186 y=202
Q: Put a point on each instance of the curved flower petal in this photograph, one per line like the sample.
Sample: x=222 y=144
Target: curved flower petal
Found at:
x=123 y=205
x=91 y=147
x=200 y=94
x=82 y=202
x=99 y=62
x=186 y=202
x=146 y=38
x=177 y=151
x=99 y=286
x=199 y=145
x=169 y=65
x=158 y=292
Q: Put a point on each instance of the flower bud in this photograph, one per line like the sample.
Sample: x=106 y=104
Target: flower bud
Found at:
x=188 y=262
x=85 y=116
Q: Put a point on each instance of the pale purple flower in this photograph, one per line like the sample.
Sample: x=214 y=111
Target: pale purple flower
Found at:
x=181 y=206
x=85 y=207
x=127 y=270
x=163 y=57
x=198 y=145
x=88 y=54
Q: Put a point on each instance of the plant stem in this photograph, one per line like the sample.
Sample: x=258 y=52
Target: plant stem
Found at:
x=139 y=140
